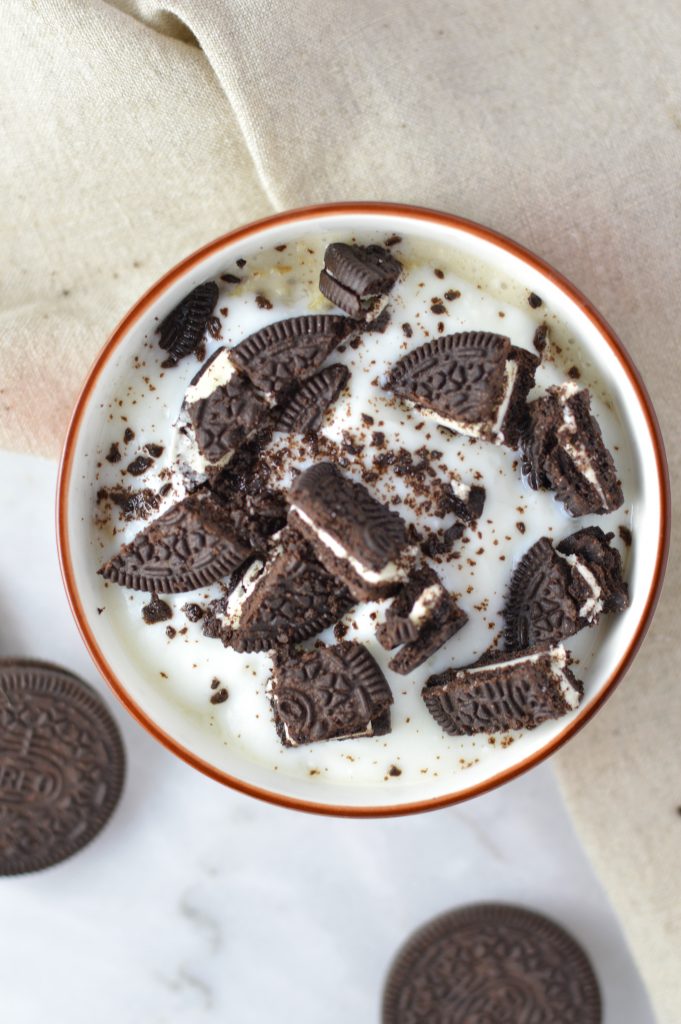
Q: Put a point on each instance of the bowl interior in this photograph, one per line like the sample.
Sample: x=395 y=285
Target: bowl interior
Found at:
x=475 y=764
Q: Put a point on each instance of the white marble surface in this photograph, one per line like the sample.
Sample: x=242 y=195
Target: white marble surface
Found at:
x=198 y=904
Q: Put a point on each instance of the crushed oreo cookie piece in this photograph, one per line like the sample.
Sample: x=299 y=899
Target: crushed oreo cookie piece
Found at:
x=330 y=693
x=357 y=278
x=304 y=411
x=182 y=330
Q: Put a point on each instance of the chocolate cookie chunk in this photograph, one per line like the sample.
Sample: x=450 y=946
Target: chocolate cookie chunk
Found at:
x=422 y=617
x=491 y=962
x=356 y=538
x=289 y=351
x=465 y=501
x=358 y=277
x=199 y=540
x=507 y=691
x=304 y=411
x=286 y=599
x=221 y=412
x=473 y=383
x=563 y=450
x=330 y=693
x=182 y=330
x=62 y=765
x=556 y=592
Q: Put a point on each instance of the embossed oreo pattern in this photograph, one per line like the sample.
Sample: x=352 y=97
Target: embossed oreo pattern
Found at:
x=458 y=375
x=61 y=765
x=363 y=269
x=305 y=410
x=227 y=418
x=182 y=330
x=540 y=608
x=498 y=699
x=290 y=350
x=194 y=543
x=295 y=599
x=328 y=693
x=489 y=963
x=372 y=533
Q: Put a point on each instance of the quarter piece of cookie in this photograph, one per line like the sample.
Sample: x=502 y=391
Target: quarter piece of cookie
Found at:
x=183 y=329
x=488 y=963
x=421 y=618
x=289 y=351
x=304 y=411
x=329 y=693
x=197 y=541
x=357 y=278
x=518 y=690
x=556 y=591
x=284 y=599
x=62 y=765
x=221 y=412
x=357 y=538
x=564 y=451
x=474 y=383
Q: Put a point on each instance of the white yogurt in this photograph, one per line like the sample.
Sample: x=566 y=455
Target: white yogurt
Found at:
x=185 y=665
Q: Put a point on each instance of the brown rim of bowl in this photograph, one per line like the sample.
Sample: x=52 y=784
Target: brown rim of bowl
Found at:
x=418 y=214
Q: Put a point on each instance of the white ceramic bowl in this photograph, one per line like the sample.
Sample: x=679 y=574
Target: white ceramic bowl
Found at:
x=187 y=735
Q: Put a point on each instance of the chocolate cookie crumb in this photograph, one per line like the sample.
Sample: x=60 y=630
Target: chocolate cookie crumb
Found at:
x=574 y=373
x=540 y=337
x=139 y=465
x=262 y=302
x=220 y=697
x=231 y=278
x=367 y=420
x=129 y=435
x=520 y=527
x=393 y=240
x=407 y=330
x=625 y=535
x=452 y=294
x=438 y=307
x=171 y=632
x=241 y=263
x=280 y=248
x=215 y=682
x=394 y=771
x=156 y=611
x=439 y=273
x=155 y=450
x=534 y=300
x=340 y=630
x=114 y=454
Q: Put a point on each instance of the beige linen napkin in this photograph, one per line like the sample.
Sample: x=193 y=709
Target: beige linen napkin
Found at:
x=134 y=131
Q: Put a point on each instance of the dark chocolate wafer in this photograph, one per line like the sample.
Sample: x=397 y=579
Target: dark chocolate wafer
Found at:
x=289 y=351
x=304 y=410
x=491 y=962
x=62 y=765
x=329 y=693
x=183 y=329
x=291 y=598
x=355 y=277
x=197 y=541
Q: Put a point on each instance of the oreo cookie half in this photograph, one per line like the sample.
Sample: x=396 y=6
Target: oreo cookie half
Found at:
x=356 y=537
x=358 y=277
x=182 y=330
x=289 y=351
x=491 y=962
x=286 y=599
x=197 y=541
x=330 y=693
x=518 y=690
x=474 y=383
x=304 y=411
x=62 y=765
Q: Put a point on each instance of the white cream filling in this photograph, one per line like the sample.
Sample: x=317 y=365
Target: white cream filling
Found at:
x=423 y=606
x=479 y=429
x=593 y=605
x=576 y=451
x=231 y=616
x=220 y=371
x=557 y=665
x=390 y=571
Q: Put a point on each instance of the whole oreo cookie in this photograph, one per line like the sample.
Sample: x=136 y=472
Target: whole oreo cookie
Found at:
x=491 y=962
x=62 y=765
